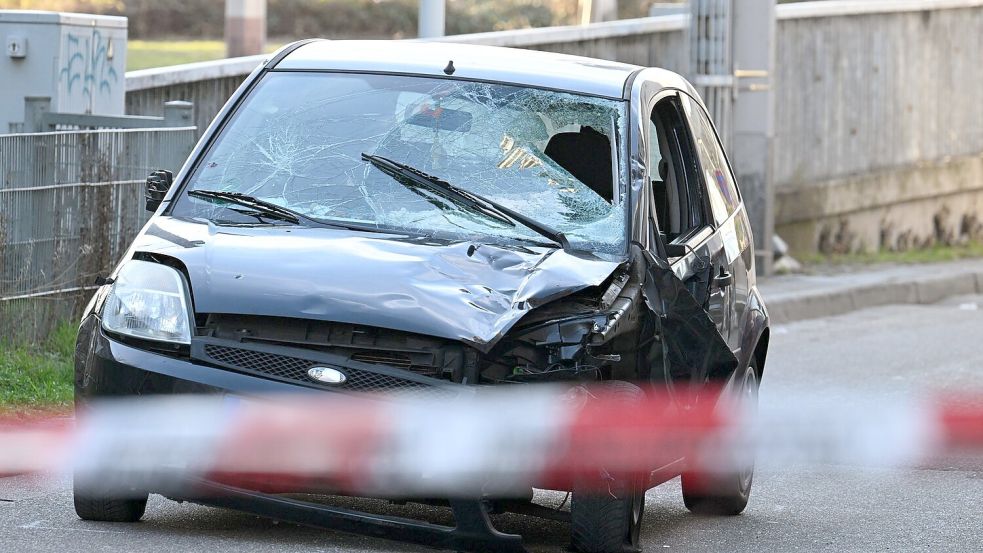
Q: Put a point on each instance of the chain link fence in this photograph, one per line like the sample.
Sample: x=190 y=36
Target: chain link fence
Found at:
x=70 y=204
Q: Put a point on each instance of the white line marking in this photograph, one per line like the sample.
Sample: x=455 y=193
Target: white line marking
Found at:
x=37 y=525
x=34 y=524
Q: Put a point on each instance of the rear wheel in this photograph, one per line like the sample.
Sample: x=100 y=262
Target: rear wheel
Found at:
x=610 y=521
x=725 y=494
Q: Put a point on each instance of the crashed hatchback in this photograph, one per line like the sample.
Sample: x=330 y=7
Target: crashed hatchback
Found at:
x=420 y=217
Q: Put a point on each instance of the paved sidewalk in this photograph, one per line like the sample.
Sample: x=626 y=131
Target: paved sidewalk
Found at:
x=808 y=296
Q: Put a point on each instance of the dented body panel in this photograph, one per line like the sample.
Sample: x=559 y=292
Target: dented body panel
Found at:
x=455 y=290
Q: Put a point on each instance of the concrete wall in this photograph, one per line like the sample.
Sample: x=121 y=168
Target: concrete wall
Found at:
x=879 y=124
x=206 y=84
x=649 y=41
x=878 y=127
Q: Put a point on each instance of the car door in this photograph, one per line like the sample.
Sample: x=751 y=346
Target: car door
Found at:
x=687 y=225
x=681 y=214
x=729 y=286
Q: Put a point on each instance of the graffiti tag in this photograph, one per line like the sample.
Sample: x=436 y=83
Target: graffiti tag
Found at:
x=88 y=64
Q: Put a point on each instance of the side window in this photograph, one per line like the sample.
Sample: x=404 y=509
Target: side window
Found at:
x=679 y=202
x=724 y=198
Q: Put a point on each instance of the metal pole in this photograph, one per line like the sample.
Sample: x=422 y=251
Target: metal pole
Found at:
x=586 y=8
x=431 y=18
x=245 y=27
x=594 y=11
x=753 y=119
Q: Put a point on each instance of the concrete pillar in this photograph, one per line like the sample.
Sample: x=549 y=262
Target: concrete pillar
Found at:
x=35 y=108
x=178 y=113
x=245 y=27
x=431 y=18
x=753 y=119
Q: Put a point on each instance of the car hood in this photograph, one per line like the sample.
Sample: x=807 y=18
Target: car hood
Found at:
x=459 y=290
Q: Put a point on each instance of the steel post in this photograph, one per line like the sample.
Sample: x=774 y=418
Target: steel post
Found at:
x=752 y=123
x=431 y=18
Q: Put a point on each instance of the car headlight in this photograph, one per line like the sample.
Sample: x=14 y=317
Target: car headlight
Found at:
x=149 y=301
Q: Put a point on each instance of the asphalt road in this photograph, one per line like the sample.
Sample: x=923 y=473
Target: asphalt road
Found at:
x=880 y=354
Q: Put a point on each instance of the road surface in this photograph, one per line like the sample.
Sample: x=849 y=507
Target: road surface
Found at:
x=879 y=353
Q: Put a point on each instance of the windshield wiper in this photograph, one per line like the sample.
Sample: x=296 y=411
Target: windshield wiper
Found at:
x=264 y=208
x=270 y=210
x=414 y=177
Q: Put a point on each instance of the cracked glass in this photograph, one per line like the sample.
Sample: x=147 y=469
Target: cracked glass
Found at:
x=298 y=141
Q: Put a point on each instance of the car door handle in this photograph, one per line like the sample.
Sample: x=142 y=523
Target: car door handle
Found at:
x=724 y=279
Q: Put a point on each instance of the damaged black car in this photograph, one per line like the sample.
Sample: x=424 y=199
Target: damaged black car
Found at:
x=413 y=217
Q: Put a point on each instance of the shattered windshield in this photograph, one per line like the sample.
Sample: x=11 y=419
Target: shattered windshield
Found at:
x=299 y=141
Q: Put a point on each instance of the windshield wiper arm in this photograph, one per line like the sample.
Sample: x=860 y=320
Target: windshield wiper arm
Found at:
x=274 y=211
x=267 y=209
x=414 y=176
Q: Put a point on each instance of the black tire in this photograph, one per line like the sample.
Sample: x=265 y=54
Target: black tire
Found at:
x=610 y=521
x=107 y=509
x=724 y=494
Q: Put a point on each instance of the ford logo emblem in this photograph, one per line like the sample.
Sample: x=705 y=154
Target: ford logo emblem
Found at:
x=327 y=375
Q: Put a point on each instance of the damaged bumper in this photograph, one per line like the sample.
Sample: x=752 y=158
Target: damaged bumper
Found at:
x=110 y=367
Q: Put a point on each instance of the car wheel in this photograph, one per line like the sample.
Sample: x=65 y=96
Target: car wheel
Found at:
x=610 y=521
x=725 y=494
x=108 y=509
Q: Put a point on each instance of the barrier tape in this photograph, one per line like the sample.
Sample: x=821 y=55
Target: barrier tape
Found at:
x=488 y=442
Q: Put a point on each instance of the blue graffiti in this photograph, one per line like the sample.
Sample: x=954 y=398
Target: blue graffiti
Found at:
x=88 y=62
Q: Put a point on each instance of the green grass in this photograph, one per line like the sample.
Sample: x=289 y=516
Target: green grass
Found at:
x=144 y=54
x=39 y=376
x=934 y=254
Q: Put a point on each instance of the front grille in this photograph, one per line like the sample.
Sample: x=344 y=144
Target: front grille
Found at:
x=340 y=342
x=294 y=369
x=382 y=358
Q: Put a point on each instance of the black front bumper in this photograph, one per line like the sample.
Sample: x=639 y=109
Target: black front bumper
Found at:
x=110 y=368
x=106 y=367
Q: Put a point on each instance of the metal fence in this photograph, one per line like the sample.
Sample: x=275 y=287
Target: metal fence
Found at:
x=70 y=204
x=711 y=68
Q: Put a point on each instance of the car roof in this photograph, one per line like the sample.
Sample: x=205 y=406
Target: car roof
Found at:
x=485 y=63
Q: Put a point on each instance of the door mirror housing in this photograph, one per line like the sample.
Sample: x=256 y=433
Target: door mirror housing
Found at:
x=158 y=183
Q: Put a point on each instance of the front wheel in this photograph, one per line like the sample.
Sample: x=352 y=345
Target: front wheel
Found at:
x=725 y=494
x=94 y=506
x=610 y=521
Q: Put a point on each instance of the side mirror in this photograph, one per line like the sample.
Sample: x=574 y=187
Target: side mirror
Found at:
x=158 y=183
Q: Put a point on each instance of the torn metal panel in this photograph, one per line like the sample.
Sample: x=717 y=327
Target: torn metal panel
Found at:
x=693 y=348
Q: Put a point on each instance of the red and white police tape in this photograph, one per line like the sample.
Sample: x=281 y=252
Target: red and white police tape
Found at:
x=486 y=442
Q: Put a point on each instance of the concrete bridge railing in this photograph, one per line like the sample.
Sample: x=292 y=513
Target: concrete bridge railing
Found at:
x=878 y=123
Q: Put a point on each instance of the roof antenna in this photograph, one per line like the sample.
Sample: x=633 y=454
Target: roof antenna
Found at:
x=450 y=69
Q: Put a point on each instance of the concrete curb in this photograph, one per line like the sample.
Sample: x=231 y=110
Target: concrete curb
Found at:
x=929 y=287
